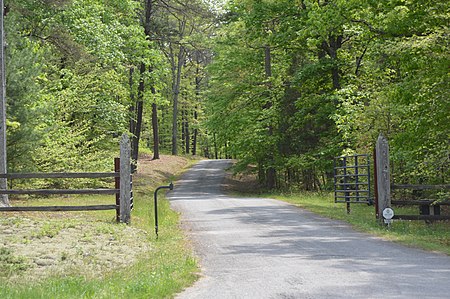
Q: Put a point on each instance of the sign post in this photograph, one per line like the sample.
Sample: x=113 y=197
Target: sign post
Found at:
x=388 y=214
x=383 y=178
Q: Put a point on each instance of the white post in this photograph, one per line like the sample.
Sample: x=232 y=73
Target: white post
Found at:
x=125 y=173
x=4 y=201
x=383 y=174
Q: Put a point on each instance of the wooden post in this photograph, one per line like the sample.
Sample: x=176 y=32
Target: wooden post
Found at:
x=382 y=175
x=125 y=173
x=375 y=182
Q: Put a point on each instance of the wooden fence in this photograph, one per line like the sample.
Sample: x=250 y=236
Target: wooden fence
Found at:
x=429 y=209
x=122 y=188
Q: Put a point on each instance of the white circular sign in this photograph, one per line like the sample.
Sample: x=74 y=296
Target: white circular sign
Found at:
x=388 y=213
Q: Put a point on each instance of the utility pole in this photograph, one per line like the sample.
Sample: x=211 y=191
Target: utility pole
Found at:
x=4 y=201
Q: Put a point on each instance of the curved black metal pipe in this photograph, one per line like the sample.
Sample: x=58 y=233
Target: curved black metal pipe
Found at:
x=170 y=186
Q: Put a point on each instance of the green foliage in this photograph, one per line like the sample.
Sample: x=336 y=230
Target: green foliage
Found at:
x=342 y=72
x=68 y=94
x=24 y=110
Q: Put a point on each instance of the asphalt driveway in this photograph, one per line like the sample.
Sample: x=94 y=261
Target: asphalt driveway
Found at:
x=263 y=248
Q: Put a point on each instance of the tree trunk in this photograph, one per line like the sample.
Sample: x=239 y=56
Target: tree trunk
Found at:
x=183 y=127
x=215 y=147
x=185 y=137
x=155 y=129
x=132 y=100
x=176 y=92
x=186 y=132
x=197 y=99
x=271 y=176
x=4 y=201
x=261 y=173
x=148 y=14
x=331 y=48
x=194 y=136
x=139 y=111
x=137 y=125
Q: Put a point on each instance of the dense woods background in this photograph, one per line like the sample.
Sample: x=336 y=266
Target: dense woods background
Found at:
x=282 y=85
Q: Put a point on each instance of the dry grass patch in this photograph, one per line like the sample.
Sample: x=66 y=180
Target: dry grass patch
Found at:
x=75 y=253
x=48 y=247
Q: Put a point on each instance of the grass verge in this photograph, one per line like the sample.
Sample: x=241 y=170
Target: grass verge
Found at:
x=141 y=266
x=418 y=234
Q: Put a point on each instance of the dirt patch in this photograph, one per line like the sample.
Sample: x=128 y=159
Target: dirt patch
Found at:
x=156 y=171
x=38 y=248
x=242 y=183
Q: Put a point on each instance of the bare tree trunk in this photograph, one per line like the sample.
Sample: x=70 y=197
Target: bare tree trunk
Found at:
x=183 y=127
x=194 y=136
x=331 y=48
x=186 y=133
x=271 y=172
x=136 y=123
x=132 y=110
x=197 y=99
x=4 y=200
x=155 y=129
x=215 y=147
x=139 y=111
x=132 y=100
x=176 y=92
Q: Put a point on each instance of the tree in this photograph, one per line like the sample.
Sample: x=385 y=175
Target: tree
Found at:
x=179 y=23
x=330 y=76
x=3 y=183
x=136 y=120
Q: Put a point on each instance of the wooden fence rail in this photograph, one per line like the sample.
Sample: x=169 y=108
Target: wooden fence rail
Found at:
x=60 y=175
x=122 y=190
x=421 y=187
x=60 y=191
x=59 y=208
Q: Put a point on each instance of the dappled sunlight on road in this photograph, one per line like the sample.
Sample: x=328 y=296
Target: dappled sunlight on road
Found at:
x=264 y=248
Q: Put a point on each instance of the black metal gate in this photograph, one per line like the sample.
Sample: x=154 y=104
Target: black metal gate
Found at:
x=352 y=180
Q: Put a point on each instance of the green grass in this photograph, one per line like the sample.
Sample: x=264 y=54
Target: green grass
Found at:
x=9 y=263
x=432 y=237
x=166 y=269
x=164 y=272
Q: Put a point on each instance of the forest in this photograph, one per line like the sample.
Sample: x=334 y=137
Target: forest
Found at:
x=283 y=86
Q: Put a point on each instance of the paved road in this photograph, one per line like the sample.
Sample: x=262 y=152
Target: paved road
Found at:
x=262 y=248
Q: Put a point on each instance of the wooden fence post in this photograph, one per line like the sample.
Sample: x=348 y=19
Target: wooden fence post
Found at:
x=125 y=173
x=382 y=175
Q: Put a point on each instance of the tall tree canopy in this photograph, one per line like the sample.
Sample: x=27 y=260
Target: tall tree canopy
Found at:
x=295 y=83
x=283 y=86
x=82 y=72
